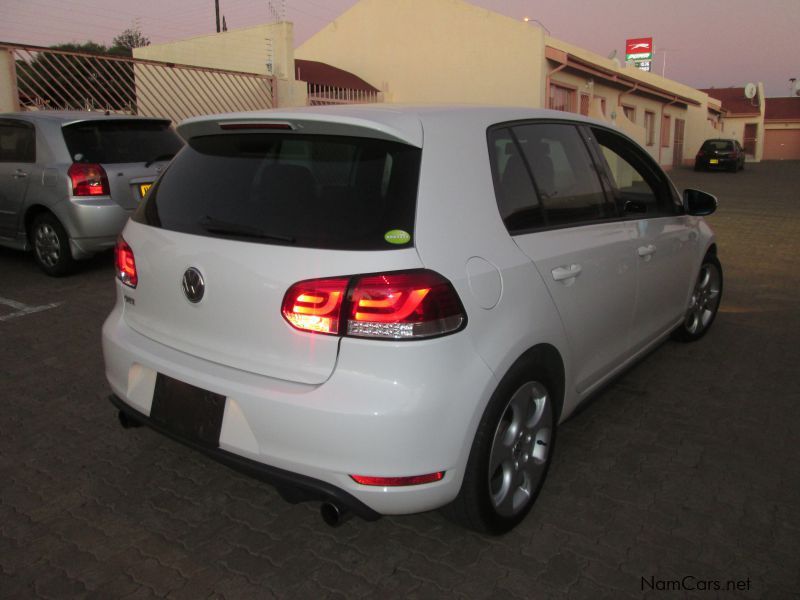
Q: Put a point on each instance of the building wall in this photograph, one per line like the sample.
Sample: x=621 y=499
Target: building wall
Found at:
x=8 y=83
x=248 y=50
x=440 y=51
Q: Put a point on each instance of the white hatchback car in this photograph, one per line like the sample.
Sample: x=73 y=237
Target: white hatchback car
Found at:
x=390 y=309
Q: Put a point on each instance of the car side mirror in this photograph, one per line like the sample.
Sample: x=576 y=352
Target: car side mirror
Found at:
x=699 y=203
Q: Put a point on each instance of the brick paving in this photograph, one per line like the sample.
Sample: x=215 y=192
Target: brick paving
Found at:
x=686 y=466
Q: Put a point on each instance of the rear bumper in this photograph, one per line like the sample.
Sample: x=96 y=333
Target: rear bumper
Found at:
x=389 y=409
x=92 y=224
x=291 y=486
x=724 y=163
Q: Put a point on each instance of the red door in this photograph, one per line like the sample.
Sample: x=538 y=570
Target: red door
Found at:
x=750 y=133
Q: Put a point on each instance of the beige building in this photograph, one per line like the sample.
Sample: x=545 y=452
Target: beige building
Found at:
x=449 y=51
x=452 y=51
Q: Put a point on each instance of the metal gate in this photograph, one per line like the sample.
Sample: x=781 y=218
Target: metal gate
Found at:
x=48 y=79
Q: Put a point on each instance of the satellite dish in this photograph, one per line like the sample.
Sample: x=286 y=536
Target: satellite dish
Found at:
x=750 y=91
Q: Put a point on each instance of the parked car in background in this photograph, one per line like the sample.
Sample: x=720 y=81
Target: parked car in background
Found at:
x=70 y=180
x=390 y=309
x=720 y=154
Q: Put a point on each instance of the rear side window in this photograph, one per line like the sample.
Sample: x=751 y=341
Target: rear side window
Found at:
x=333 y=192
x=17 y=142
x=121 y=141
x=545 y=177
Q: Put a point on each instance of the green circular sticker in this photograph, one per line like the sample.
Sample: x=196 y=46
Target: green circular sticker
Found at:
x=397 y=236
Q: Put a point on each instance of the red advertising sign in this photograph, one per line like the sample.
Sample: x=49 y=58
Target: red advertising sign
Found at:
x=639 y=49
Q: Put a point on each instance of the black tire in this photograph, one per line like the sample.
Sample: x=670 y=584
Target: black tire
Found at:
x=525 y=388
x=704 y=302
x=51 y=245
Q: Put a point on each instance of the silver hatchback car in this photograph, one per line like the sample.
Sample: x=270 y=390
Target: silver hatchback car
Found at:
x=70 y=180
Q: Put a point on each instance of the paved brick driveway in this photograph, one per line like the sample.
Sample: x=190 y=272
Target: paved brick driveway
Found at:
x=687 y=467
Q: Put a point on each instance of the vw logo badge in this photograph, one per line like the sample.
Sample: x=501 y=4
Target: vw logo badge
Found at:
x=193 y=285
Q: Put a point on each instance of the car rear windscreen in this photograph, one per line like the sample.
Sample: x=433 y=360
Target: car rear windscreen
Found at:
x=344 y=193
x=119 y=141
x=719 y=145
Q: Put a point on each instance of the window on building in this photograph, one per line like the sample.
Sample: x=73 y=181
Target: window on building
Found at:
x=603 y=106
x=562 y=98
x=629 y=112
x=585 y=105
x=650 y=126
x=666 y=125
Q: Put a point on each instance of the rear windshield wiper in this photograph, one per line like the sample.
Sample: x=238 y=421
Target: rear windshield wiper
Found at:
x=212 y=225
x=159 y=158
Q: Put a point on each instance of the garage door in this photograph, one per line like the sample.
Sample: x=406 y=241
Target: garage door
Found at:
x=782 y=144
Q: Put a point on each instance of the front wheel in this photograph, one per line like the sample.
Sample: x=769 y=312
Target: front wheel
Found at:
x=510 y=455
x=704 y=302
x=51 y=245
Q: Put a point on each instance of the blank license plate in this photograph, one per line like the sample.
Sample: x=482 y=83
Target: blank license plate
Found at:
x=187 y=411
x=714 y=161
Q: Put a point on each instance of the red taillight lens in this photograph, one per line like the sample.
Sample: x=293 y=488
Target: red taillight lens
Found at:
x=126 y=263
x=400 y=305
x=315 y=305
x=88 y=179
x=700 y=154
x=403 y=305
x=398 y=481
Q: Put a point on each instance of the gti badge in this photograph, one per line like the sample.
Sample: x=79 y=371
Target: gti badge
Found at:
x=193 y=285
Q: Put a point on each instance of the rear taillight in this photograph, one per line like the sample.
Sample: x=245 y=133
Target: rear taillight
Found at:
x=700 y=154
x=88 y=179
x=315 y=305
x=399 y=305
x=125 y=263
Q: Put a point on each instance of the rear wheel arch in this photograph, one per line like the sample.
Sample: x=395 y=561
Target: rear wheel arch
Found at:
x=547 y=357
x=489 y=485
x=31 y=213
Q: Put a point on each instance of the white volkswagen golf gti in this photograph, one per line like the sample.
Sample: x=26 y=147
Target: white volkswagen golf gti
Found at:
x=390 y=309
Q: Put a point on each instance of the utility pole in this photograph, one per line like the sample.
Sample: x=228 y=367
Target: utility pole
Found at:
x=216 y=9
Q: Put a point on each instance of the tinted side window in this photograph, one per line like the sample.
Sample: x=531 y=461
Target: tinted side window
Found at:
x=638 y=186
x=17 y=142
x=565 y=177
x=516 y=197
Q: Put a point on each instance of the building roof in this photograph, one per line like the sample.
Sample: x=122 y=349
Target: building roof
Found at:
x=782 y=109
x=319 y=73
x=734 y=101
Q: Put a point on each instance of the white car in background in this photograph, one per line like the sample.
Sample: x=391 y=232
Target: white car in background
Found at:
x=390 y=309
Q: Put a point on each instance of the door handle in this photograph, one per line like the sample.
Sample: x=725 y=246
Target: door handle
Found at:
x=644 y=251
x=20 y=174
x=570 y=272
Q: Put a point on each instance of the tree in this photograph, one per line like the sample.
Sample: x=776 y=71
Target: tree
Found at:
x=130 y=38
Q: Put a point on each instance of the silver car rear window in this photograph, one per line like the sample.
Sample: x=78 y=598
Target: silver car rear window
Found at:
x=333 y=192
x=119 y=141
